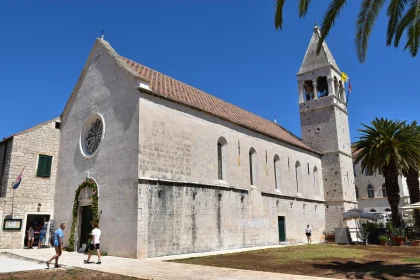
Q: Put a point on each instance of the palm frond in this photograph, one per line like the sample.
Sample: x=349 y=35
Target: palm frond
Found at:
x=369 y=11
x=329 y=18
x=303 y=7
x=395 y=10
x=413 y=34
x=278 y=16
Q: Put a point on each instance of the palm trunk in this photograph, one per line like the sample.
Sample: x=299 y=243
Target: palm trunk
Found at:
x=414 y=191
x=393 y=191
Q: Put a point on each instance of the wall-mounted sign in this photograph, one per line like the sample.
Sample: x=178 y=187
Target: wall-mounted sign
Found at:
x=12 y=224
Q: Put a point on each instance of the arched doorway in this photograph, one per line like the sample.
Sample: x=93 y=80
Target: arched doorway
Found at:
x=85 y=211
x=85 y=216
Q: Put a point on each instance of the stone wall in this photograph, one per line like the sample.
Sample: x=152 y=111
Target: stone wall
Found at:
x=103 y=88
x=179 y=143
x=33 y=190
x=5 y=152
x=186 y=217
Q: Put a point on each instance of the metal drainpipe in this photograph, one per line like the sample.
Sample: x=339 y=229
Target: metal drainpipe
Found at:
x=4 y=166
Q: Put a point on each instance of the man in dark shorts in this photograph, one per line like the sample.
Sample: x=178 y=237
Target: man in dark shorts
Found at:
x=58 y=245
x=95 y=244
x=308 y=232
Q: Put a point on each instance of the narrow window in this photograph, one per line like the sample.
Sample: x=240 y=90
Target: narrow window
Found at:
x=251 y=176
x=276 y=172
x=316 y=181
x=380 y=171
x=221 y=158
x=44 y=166
x=298 y=174
x=357 y=193
x=308 y=169
x=371 y=192
x=220 y=161
x=253 y=166
x=239 y=153
x=384 y=194
x=354 y=170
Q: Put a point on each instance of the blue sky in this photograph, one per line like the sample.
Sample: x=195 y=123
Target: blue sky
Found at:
x=227 y=48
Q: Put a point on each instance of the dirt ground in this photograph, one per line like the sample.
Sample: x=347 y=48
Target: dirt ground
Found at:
x=63 y=274
x=334 y=261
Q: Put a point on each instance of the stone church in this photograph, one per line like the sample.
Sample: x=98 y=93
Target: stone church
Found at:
x=178 y=170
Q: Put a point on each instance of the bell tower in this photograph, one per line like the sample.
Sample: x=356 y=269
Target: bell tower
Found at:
x=325 y=127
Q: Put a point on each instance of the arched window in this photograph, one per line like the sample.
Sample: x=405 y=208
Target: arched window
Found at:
x=384 y=194
x=387 y=210
x=298 y=173
x=253 y=166
x=316 y=181
x=340 y=94
x=371 y=192
x=277 y=172
x=357 y=192
x=322 y=86
x=336 y=86
x=221 y=157
x=308 y=90
x=372 y=210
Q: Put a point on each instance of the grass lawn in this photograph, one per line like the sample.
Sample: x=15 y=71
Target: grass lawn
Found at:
x=63 y=274
x=325 y=260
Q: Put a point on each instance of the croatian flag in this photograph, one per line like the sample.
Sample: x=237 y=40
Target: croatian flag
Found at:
x=18 y=180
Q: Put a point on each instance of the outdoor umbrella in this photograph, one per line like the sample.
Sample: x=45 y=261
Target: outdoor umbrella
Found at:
x=411 y=206
x=359 y=214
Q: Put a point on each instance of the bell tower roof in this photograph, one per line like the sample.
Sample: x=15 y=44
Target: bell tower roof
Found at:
x=312 y=61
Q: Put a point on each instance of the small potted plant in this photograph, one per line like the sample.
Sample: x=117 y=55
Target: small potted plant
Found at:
x=399 y=235
x=329 y=236
x=383 y=239
x=416 y=239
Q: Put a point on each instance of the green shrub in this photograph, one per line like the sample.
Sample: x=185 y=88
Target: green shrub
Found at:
x=383 y=237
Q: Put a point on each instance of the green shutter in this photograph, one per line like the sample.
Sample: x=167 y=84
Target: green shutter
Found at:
x=41 y=166
x=48 y=162
x=44 y=166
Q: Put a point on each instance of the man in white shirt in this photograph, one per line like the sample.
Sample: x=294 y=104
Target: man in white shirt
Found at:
x=95 y=244
x=308 y=232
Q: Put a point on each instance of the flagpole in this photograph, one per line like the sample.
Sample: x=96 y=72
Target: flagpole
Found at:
x=347 y=97
x=13 y=198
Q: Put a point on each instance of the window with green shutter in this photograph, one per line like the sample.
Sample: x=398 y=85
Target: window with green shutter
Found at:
x=44 y=166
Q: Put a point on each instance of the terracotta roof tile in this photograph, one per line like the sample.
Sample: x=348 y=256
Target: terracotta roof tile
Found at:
x=169 y=88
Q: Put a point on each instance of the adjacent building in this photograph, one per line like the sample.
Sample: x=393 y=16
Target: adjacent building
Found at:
x=371 y=193
x=35 y=152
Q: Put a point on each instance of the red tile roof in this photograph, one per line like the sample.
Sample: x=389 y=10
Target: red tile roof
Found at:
x=169 y=88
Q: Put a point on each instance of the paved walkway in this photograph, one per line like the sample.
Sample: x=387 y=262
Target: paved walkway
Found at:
x=157 y=269
x=10 y=264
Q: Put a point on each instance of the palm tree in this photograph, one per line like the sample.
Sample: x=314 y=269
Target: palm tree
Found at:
x=403 y=17
x=412 y=178
x=391 y=146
